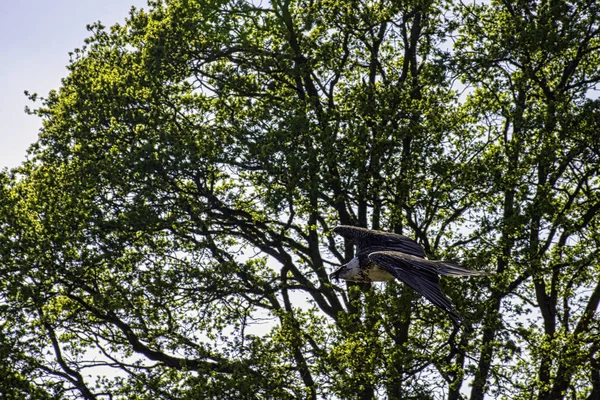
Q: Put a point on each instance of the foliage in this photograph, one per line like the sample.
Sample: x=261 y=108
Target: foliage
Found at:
x=169 y=234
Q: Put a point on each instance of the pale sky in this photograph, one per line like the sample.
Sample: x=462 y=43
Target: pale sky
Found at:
x=36 y=37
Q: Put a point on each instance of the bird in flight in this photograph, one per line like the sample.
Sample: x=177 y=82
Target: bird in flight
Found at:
x=383 y=256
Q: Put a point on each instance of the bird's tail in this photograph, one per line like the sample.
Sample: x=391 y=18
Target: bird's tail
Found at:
x=452 y=269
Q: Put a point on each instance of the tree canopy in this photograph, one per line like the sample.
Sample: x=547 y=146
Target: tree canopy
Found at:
x=169 y=235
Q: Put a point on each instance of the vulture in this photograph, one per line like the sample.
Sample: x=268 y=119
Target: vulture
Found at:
x=384 y=256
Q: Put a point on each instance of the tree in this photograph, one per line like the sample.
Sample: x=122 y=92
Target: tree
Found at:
x=172 y=223
x=536 y=69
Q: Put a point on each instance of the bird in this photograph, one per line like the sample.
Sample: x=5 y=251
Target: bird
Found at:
x=385 y=256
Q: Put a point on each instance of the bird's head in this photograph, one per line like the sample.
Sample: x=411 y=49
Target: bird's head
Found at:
x=347 y=271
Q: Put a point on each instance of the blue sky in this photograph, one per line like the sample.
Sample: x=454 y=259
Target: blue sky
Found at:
x=36 y=37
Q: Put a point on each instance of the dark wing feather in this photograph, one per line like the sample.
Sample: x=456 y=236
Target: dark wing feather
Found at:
x=368 y=241
x=420 y=274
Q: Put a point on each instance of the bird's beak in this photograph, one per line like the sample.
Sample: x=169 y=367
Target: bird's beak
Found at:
x=336 y=274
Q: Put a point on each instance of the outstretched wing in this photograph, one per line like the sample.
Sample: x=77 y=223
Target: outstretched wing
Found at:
x=368 y=241
x=420 y=274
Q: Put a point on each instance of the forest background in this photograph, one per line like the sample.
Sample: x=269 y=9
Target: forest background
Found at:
x=169 y=235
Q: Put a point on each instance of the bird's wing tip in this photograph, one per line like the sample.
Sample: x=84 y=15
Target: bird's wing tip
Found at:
x=349 y=231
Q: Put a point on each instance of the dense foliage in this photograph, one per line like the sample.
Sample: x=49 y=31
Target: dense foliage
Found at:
x=169 y=235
